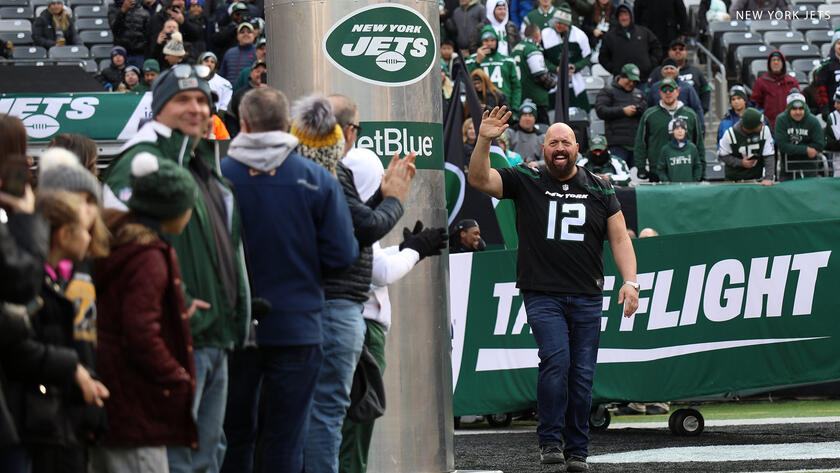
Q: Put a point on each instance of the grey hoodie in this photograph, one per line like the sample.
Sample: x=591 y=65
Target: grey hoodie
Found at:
x=263 y=151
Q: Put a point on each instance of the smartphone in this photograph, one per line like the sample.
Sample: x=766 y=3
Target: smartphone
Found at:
x=264 y=78
x=752 y=157
x=14 y=175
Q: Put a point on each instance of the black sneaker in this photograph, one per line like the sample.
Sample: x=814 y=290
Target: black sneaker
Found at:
x=576 y=463
x=551 y=454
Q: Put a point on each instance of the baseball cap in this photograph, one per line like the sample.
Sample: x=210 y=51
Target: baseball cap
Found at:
x=667 y=82
x=668 y=62
x=261 y=42
x=598 y=142
x=238 y=6
x=244 y=25
x=630 y=71
x=675 y=42
x=528 y=106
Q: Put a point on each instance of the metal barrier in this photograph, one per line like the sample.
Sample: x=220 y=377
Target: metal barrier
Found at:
x=720 y=93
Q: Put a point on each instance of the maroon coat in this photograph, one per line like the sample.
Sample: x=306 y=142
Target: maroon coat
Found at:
x=144 y=350
x=770 y=91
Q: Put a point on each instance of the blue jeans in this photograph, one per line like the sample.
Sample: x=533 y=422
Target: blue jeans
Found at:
x=211 y=384
x=567 y=330
x=625 y=154
x=344 y=334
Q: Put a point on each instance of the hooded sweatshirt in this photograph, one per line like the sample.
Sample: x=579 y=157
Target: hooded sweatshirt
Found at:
x=680 y=162
x=296 y=224
x=770 y=91
x=506 y=29
x=795 y=137
x=635 y=44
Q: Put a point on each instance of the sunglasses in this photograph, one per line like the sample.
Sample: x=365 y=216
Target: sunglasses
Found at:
x=678 y=48
x=667 y=90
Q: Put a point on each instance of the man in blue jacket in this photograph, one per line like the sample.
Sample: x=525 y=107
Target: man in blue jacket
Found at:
x=240 y=56
x=297 y=227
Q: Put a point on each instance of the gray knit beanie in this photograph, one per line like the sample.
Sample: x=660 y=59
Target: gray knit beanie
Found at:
x=60 y=169
x=320 y=136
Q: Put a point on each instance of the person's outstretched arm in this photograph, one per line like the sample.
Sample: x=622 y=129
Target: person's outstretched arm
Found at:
x=481 y=175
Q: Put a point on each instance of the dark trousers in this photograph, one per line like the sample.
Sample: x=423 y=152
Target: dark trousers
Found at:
x=270 y=387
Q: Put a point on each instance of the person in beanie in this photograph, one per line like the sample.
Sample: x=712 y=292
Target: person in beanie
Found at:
x=601 y=162
x=114 y=74
x=799 y=137
x=679 y=159
x=580 y=53
x=218 y=84
x=209 y=250
x=150 y=71
x=267 y=171
x=621 y=105
x=526 y=137
x=498 y=17
x=653 y=132
x=832 y=128
x=145 y=347
x=501 y=69
x=129 y=21
x=321 y=139
x=687 y=72
x=738 y=102
x=825 y=77
x=465 y=237
x=747 y=149
x=174 y=52
x=255 y=82
x=770 y=91
x=54 y=26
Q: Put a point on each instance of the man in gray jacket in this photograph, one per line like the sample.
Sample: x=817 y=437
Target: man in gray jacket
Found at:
x=526 y=138
x=463 y=22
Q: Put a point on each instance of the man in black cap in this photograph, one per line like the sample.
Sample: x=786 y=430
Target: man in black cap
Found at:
x=687 y=72
x=209 y=250
x=466 y=237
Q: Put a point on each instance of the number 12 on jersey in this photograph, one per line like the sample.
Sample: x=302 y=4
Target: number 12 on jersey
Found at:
x=574 y=215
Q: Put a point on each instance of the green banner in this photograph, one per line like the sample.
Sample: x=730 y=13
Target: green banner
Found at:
x=99 y=116
x=387 y=138
x=684 y=208
x=720 y=312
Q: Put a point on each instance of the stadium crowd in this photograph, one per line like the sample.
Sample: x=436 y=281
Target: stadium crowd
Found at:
x=140 y=333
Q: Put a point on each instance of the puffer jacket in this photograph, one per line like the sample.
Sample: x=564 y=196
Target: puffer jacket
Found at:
x=620 y=129
x=372 y=220
x=130 y=27
x=43 y=31
x=635 y=44
x=463 y=22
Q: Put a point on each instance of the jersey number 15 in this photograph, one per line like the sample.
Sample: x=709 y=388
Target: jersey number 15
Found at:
x=574 y=215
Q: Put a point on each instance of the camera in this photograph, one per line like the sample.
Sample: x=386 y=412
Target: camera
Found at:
x=168 y=36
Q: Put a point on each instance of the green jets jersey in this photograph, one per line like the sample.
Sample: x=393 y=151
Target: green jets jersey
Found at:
x=540 y=18
x=503 y=73
x=679 y=164
x=735 y=145
x=652 y=134
x=615 y=170
x=529 y=57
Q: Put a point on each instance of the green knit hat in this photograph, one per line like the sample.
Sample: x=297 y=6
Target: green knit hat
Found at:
x=751 y=118
x=159 y=188
x=562 y=15
x=150 y=65
x=489 y=32
x=179 y=78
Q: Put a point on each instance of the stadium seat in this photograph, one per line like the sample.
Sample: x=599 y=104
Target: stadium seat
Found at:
x=14 y=3
x=96 y=37
x=598 y=70
x=101 y=51
x=714 y=172
x=744 y=55
x=91 y=66
x=593 y=83
x=30 y=52
x=15 y=13
x=74 y=3
x=734 y=39
x=15 y=26
x=83 y=24
x=36 y=3
x=783 y=37
x=801 y=77
x=799 y=51
x=90 y=11
x=103 y=64
x=16 y=37
x=757 y=68
x=818 y=37
x=711 y=155
x=825 y=49
x=597 y=127
x=806 y=24
x=69 y=52
x=804 y=9
x=760 y=26
x=805 y=65
x=718 y=28
x=832 y=9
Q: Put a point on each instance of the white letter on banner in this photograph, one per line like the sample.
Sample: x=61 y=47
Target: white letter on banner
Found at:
x=714 y=285
x=521 y=320
x=645 y=281
x=659 y=316
x=54 y=105
x=505 y=291
x=82 y=108
x=609 y=283
x=808 y=264
x=773 y=287
x=693 y=291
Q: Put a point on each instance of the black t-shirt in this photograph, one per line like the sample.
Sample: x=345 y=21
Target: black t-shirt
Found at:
x=561 y=228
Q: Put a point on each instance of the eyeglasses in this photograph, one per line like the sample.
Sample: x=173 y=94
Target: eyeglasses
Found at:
x=668 y=89
x=356 y=127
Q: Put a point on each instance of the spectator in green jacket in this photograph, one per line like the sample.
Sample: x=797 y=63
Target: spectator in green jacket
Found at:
x=800 y=138
x=679 y=159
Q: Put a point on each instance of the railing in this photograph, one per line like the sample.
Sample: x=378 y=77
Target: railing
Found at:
x=717 y=80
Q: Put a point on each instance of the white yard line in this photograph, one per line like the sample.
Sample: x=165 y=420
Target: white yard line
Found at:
x=726 y=453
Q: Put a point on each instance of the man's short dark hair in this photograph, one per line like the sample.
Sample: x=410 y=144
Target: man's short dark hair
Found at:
x=531 y=30
x=265 y=109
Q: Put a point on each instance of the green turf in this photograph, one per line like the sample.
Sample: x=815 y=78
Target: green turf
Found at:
x=749 y=410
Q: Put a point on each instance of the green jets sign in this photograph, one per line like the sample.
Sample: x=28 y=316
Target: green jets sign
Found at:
x=386 y=44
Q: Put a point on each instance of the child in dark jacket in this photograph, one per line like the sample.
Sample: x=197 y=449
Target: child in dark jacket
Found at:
x=680 y=159
x=145 y=346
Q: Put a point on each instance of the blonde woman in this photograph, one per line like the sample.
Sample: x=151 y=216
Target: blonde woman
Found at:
x=54 y=27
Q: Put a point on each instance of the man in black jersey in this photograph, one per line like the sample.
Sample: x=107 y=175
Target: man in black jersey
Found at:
x=563 y=214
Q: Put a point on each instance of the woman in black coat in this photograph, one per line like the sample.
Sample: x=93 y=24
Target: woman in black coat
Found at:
x=54 y=27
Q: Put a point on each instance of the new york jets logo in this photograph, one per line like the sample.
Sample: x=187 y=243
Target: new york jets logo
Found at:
x=384 y=44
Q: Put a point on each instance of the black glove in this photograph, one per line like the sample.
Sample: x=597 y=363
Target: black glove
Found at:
x=426 y=242
x=642 y=173
x=653 y=177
